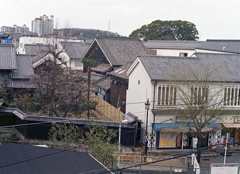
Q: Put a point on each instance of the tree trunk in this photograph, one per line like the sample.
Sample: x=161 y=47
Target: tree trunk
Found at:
x=199 y=136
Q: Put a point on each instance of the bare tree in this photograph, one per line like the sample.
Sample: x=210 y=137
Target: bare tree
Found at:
x=199 y=98
x=59 y=89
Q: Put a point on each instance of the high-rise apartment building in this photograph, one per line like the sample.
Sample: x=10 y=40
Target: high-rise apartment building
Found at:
x=15 y=29
x=43 y=25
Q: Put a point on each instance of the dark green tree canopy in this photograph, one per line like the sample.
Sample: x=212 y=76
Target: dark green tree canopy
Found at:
x=167 y=30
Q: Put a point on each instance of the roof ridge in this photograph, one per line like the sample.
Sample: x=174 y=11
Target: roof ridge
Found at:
x=169 y=57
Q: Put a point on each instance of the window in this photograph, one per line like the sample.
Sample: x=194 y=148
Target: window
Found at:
x=183 y=54
x=167 y=95
x=199 y=96
x=231 y=96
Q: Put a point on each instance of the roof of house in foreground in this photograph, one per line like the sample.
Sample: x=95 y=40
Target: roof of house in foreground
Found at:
x=26 y=159
x=218 y=67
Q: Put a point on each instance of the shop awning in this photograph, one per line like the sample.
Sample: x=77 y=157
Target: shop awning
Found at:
x=231 y=125
x=187 y=129
x=184 y=127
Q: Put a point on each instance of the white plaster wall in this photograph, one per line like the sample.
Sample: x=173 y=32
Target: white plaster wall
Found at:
x=209 y=51
x=174 y=52
x=139 y=90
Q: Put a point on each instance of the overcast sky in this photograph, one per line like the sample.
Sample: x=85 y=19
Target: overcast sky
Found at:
x=214 y=19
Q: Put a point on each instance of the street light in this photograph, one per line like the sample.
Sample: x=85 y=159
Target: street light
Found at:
x=147 y=106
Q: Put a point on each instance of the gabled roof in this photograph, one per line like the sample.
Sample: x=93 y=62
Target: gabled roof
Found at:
x=75 y=49
x=24 y=67
x=225 y=67
x=172 y=44
x=119 y=50
x=7 y=57
x=26 y=159
x=227 y=46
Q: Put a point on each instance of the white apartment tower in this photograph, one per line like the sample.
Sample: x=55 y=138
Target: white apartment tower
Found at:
x=43 y=25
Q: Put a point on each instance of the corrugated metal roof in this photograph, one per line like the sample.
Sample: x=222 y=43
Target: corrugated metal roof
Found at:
x=7 y=57
x=75 y=50
x=223 y=67
x=120 y=50
x=151 y=44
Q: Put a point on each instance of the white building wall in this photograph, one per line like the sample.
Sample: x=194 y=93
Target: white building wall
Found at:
x=139 y=90
x=209 y=51
x=174 y=52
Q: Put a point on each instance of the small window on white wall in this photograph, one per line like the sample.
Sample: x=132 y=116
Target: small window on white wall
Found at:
x=183 y=54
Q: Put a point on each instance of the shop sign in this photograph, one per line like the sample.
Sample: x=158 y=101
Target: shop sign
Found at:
x=182 y=119
x=236 y=119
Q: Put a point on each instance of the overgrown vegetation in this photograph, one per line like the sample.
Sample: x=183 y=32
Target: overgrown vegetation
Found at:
x=99 y=139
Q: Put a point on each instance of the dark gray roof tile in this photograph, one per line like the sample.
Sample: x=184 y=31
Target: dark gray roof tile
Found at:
x=155 y=44
x=75 y=50
x=225 y=67
x=20 y=158
x=120 y=50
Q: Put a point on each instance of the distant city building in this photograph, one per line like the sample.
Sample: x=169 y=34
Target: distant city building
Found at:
x=15 y=29
x=43 y=25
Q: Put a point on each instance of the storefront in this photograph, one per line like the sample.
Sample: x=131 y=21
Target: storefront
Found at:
x=181 y=135
x=233 y=130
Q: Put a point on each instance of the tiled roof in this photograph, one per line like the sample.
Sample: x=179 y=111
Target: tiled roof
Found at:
x=75 y=49
x=7 y=57
x=121 y=71
x=36 y=118
x=227 y=46
x=20 y=158
x=37 y=51
x=224 y=67
x=103 y=68
x=120 y=50
x=105 y=83
x=24 y=67
x=151 y=44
